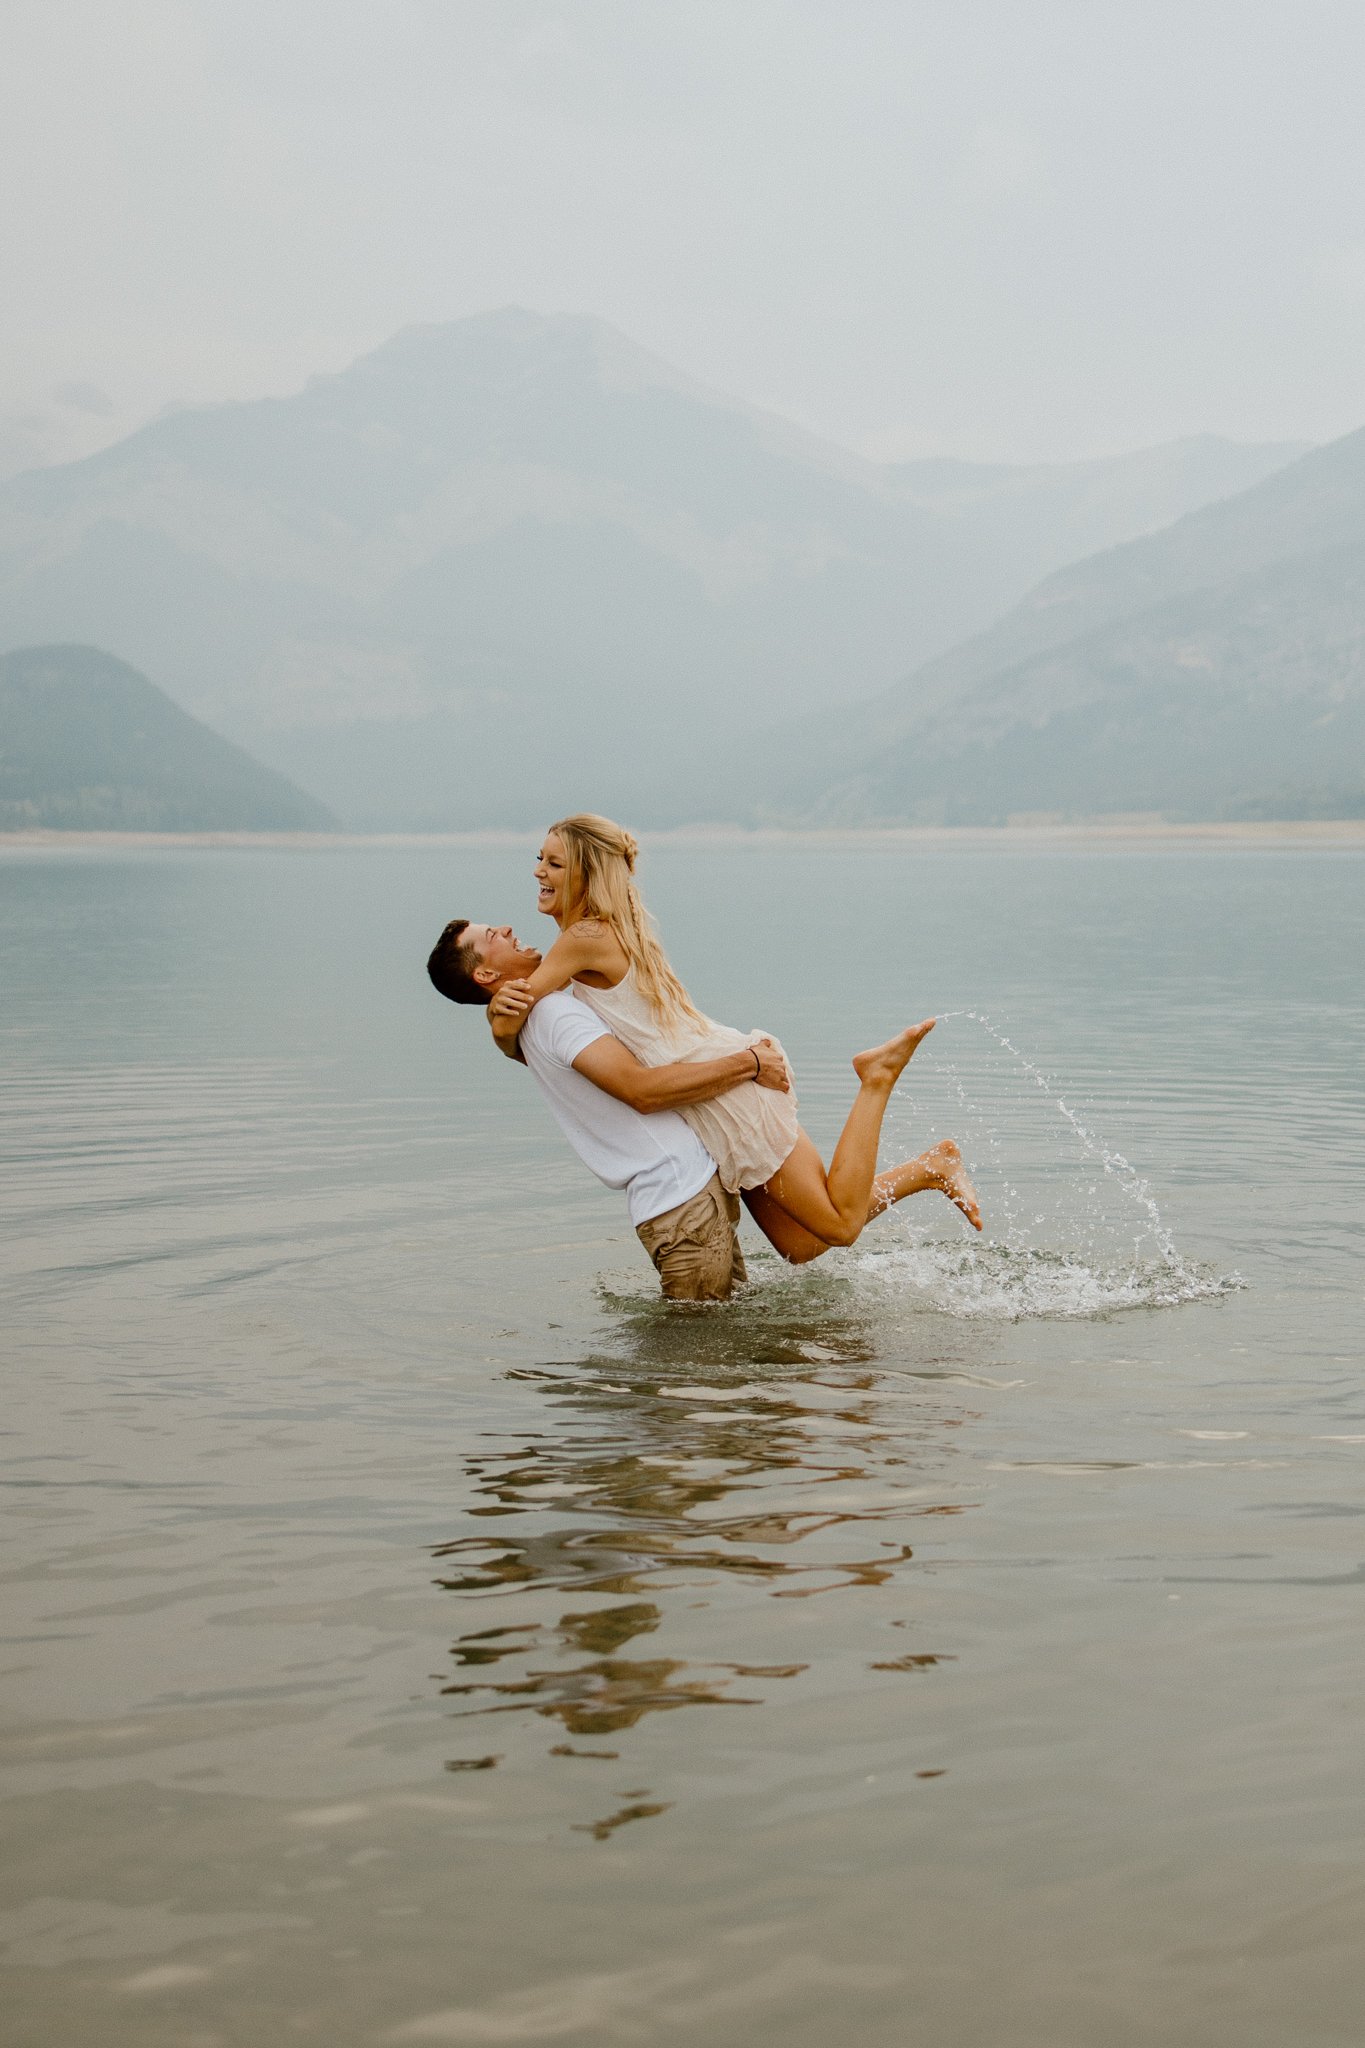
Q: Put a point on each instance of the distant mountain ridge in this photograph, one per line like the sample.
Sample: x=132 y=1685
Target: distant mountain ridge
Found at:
x=86 y=743
x=514 y=562
x=1216 y=668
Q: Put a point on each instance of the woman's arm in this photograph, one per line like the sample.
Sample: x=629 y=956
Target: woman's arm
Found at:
x=588 y=947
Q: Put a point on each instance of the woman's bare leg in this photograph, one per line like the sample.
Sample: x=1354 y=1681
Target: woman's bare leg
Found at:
x=786 y=1236
x=835 y=1206
x=939 y=1170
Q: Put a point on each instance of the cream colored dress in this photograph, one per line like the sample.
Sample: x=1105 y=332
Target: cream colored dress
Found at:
x=749 y=1130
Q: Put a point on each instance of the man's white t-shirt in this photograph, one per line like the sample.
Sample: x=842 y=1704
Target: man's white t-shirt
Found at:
x=658 y=1159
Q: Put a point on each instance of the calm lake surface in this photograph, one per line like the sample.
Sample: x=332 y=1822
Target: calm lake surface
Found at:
x=415 y=1632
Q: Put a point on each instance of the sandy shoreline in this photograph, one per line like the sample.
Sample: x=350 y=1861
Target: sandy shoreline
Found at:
x=1328 y=832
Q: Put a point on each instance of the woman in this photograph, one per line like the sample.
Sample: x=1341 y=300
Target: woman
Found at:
x=609 y=949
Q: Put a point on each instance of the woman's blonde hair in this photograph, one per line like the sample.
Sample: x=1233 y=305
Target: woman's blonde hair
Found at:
x=599 y=859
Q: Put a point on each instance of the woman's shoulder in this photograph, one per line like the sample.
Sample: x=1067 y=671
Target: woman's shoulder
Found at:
x=595 y=938
x=598 y=947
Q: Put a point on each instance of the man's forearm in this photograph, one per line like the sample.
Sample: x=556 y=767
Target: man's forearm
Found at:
x=507 y=1037
x=609 y=1066
x=689 y=1081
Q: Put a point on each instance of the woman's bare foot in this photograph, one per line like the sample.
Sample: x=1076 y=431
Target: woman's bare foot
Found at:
x=883 y=1065
x=947 y=1171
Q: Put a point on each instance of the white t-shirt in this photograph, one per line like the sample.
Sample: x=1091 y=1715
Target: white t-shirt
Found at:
x=658 y=1159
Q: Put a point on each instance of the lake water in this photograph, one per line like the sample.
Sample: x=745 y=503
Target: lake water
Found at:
x=415 y=1632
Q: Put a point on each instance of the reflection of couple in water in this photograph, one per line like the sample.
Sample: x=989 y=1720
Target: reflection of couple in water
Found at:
x=686 y=1115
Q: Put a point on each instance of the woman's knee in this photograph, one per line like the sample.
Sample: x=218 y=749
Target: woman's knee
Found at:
x=834 y=1235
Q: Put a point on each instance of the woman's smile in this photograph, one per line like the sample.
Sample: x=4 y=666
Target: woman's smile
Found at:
x=550 y=871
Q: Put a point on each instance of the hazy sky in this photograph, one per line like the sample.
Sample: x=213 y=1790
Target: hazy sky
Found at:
x=997 y=228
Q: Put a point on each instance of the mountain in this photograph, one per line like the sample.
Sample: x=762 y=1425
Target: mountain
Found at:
x=1213 y=669
x=88 y=744
x=513 y=565
x=1071 y=510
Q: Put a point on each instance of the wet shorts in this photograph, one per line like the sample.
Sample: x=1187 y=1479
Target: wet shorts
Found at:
x=695 y=1247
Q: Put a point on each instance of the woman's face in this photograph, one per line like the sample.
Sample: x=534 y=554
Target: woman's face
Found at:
x=552 y=876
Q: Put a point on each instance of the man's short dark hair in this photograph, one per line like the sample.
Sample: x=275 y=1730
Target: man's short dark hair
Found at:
x=452 y=963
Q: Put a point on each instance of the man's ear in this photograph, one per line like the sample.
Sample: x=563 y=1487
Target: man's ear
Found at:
x=486 y=977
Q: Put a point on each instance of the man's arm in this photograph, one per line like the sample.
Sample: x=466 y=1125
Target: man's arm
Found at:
x=610 y=1066
x=508 y=1009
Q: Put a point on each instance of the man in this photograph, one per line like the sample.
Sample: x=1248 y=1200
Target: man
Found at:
x=620 y=1116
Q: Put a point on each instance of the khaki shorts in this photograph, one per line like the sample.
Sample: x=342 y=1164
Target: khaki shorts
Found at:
x=695 y=1247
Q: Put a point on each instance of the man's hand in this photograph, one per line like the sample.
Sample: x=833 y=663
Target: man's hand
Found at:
x=772 y=1068
x=508 y=1009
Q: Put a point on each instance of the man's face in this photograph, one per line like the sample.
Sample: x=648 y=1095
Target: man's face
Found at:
x=502 y=956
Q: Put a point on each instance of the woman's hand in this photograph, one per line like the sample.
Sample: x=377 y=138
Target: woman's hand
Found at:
x=772 y=1068
x=513 y=999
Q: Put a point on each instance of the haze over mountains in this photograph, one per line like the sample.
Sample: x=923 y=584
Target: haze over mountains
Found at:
x=1214 y=669
x=515 y=565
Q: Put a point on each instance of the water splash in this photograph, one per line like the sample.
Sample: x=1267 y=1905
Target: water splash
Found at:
x=1010 y=1275
x=1114 y=1164
x=1001 y=1282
